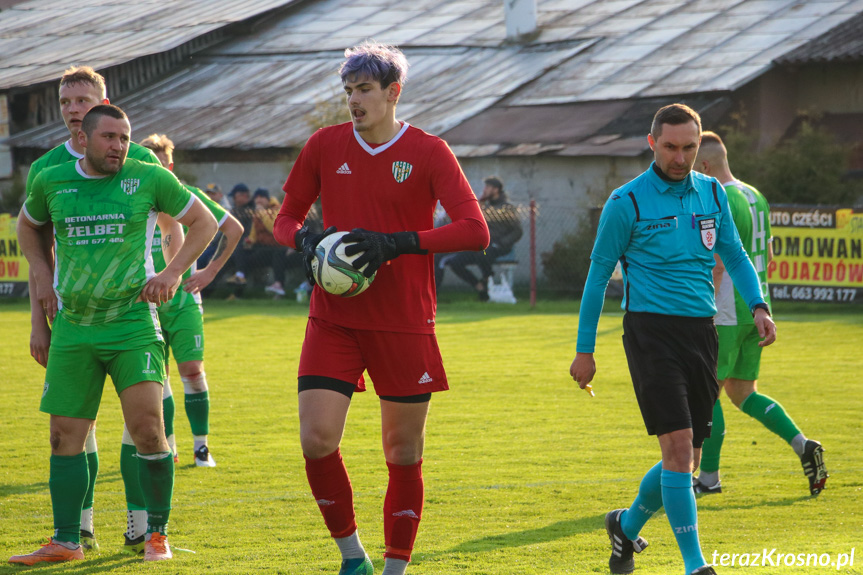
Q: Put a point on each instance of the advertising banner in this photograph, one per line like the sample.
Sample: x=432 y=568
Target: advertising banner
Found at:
x=817 y=254
x=13 y=266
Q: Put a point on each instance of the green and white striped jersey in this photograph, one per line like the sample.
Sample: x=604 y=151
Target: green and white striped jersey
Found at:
x=751 y=214
x=183 y=298
x=103 y=232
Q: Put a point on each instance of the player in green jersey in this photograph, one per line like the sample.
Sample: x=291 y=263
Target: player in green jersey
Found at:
x=183 y=330
x=103 y=209
x=739 y=353
x=182 y=318
x=81 y=88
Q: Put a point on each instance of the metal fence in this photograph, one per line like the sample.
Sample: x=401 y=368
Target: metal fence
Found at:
x=550 y=260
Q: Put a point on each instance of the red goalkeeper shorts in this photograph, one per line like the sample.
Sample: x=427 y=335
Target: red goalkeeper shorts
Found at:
x=399 y=364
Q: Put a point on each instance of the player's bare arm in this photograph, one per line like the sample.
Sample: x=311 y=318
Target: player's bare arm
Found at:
x=718 y=270
x=40 y=330
x=32 y=245
x=232 y=230
x=202 y=227
x=583 y=369
x=766 y=327
x=40 y=334
x=172 y=235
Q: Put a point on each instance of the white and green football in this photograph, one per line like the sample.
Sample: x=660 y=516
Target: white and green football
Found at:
x=334 y=271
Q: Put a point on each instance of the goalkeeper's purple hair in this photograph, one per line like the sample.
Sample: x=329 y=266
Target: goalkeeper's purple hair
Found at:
x=375 y=61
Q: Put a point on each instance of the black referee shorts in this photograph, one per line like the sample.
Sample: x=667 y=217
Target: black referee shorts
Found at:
x=672 y=361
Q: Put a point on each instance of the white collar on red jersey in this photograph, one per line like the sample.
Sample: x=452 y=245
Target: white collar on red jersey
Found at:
x=383 y=147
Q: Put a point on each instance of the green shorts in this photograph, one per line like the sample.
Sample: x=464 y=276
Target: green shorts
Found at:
x=183 y=329
x=129 y=349
x=739 y=352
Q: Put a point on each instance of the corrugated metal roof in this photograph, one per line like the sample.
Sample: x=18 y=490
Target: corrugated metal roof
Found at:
x=39 y=39
x=842 y=43
x=246 y=103
x=466 y=80
x=647 y=49
x=610 y=128
x=670 y=47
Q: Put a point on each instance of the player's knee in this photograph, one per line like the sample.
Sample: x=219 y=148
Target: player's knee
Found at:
x=195 y=382
x=317 y=442
x=55 y=440
x=148 y=434
x=738 y=395
x=402 y=450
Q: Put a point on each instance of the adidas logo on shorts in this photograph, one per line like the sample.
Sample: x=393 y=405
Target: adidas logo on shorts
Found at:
x=426 y=378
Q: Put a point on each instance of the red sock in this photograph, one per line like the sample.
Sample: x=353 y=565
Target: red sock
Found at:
x=333 y=493
x=403 y=507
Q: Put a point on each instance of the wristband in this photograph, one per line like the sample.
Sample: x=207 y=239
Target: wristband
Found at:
x=763 y=306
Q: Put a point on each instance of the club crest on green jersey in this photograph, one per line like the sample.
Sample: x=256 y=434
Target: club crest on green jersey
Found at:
x=130 y=186
x=401 y=171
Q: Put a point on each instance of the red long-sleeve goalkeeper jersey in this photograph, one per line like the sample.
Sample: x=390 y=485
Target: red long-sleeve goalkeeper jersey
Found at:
x=393 y=187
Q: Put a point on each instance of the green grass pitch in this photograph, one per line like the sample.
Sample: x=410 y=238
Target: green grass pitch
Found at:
x=520 y=465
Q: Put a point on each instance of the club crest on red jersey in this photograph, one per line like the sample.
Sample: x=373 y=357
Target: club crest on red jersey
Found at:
x=708 y=232
x=130 y=186
x=401 y=171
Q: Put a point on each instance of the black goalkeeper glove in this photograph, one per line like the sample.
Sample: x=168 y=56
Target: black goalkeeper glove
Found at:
x=378 y=248
x=306 y=243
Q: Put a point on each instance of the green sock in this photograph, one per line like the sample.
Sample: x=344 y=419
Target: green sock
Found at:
x=198 y=412
x=131 y=477
x=771 y=415
x=712 y=447
x=157 y=482
x=67 y=482
x=92 y=451
x=93 y=469
x=168 y=409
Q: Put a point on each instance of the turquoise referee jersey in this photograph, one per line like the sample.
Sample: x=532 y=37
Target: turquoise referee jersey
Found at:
x=664 y=234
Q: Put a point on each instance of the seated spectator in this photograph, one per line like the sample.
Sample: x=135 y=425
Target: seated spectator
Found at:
x=505 y=230
x=243 y=210
x=214 y=192
x=260 y=249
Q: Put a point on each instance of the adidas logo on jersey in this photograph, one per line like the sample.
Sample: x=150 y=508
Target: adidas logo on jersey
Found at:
x=344 y=169
x=426 y=378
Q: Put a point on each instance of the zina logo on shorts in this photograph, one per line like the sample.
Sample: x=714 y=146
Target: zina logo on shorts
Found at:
x=45 y=389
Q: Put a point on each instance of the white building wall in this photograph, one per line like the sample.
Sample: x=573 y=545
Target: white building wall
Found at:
x=269 y=175
x=565 y=190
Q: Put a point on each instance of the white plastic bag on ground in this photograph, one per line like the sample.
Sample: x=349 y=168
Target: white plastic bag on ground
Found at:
x=500 y=292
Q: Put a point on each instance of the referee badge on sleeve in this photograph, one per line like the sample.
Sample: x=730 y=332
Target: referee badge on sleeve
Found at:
x=708 y=232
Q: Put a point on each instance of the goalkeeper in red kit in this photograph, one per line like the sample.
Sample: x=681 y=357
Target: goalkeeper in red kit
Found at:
x=380 y=179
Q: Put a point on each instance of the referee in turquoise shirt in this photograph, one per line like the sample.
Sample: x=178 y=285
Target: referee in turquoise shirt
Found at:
x=664 y=228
